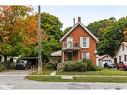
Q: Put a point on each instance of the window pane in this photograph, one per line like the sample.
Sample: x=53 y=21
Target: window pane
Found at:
x=84 y=42
x=84 y=55
x=125 y=58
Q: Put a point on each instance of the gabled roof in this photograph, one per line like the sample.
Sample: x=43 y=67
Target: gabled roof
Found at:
x=123 y=43
x=78 y=23
x=57 y=53
x=103 y=56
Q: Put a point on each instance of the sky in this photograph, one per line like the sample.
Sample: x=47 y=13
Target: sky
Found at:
x=87 y=13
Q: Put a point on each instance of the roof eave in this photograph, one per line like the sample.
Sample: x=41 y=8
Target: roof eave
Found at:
x=83 y=27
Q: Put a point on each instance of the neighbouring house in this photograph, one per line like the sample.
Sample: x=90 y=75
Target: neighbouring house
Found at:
x=1 y=58
x=121 y=55
x=101 y=60
x=56 y=57
x=8 y=58
x=78 y=43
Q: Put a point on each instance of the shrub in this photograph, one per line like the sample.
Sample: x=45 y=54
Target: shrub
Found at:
x=48 y=66
x=79 y=62
x=75 y=67
x=69 y=67
x=2 y=67
x=54 y=66
x=87 y=61
x=90 y=65
x=81 y=67
x=51 y=66
x=12 y=66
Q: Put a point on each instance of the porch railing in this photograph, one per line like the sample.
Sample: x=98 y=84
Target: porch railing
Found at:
x=70 y=44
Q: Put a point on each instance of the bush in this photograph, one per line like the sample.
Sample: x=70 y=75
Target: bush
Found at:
x=79 y=62
x=81 y=67
x=69 y=67
x=12 y=65
x=75 y=67
x=2 y=67
x=51 y=66
x=87 y=61
x=54 y=66
x=48 y=66
x=90 y=65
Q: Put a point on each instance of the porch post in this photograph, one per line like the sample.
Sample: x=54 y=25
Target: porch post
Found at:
x=78 y=55
x=63 y=56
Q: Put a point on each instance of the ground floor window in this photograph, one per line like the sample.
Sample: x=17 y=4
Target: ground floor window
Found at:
x=85 y=55
x=119 y=58
x=125 y=58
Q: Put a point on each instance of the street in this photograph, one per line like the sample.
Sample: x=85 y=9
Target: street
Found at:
x=16 y=80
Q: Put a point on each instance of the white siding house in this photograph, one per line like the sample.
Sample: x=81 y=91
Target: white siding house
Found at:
x=105 y=59
x=56 y=56
x=1 y=58
x=121 y=55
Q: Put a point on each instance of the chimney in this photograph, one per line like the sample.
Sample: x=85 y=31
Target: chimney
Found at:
x=74 y=21
x=79 y=19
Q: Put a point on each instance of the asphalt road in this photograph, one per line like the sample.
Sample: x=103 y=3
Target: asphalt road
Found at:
x=16 y=80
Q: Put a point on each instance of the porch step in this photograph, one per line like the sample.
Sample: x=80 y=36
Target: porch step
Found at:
x=67 y=77
x=53 y=73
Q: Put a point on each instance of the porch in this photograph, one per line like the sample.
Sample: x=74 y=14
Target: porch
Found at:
x=70 y=55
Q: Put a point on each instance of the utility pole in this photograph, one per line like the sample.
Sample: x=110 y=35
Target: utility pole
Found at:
x=39 y=43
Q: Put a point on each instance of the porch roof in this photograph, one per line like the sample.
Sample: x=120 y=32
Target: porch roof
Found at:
x=57 y=53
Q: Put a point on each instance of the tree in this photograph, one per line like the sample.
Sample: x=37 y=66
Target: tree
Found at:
x=111 y=38
x=51 y=25
x=97 y=26
x=10 y=38
x=67 y=29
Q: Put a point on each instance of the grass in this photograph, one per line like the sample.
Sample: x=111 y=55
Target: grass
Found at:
x=79 y=79
x=105 y=75
x=104 y=72
x=44 y=72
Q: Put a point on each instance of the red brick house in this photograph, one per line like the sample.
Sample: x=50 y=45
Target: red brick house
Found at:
x=78 y=43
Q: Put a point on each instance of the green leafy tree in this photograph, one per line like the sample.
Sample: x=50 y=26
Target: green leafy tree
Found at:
x=67 y=29
x=97 y=26
x=111 y=39
x=51 y=25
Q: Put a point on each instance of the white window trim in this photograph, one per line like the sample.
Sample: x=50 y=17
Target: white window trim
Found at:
x=87 y=42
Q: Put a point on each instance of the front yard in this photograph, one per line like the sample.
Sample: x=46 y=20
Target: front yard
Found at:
x=103 y=72
x=79 y=79
x=105 y=75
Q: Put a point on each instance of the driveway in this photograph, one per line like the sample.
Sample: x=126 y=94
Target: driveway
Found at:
x=16 y=80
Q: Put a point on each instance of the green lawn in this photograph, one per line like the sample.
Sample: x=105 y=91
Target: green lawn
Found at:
x=104 y=72
x=79 y=79
x=44 y=72
x=105 y=75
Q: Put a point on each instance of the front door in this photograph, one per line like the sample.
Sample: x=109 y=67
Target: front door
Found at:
x=69 y=55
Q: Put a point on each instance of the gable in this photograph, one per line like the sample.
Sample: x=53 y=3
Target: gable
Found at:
x=105 y=57
x=85 y=30
x=120 y=50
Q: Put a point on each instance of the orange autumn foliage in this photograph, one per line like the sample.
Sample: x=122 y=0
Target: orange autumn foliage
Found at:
x=30 y=30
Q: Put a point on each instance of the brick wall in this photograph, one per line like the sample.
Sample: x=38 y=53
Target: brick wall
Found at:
x=76 y=34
